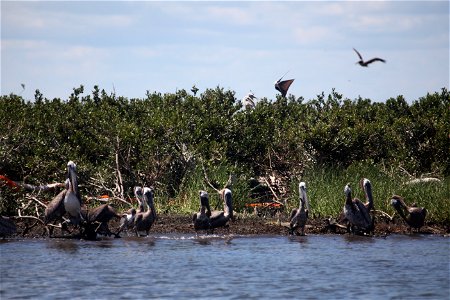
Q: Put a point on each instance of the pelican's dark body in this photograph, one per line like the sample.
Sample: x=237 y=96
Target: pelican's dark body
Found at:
x=363 y=63
x=413 y=216
x=221 y=218
x=7 y=226
x=201 y=219
x=143 y=221
x=356 y=213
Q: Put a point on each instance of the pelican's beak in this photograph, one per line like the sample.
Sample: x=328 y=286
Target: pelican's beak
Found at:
x=72 y=176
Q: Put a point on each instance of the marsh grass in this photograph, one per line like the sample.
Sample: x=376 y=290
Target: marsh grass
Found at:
x=325 y=189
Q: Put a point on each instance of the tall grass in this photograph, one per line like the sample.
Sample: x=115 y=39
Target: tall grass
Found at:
x=325 y=188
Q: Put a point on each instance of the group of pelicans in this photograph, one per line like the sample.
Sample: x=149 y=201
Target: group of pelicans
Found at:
x=95 y=221
x=91 y=222
x=358 y=215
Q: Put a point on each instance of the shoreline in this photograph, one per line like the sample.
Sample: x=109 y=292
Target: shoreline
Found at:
x=242 y=225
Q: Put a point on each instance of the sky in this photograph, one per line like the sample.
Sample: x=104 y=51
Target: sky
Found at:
x=131 y=47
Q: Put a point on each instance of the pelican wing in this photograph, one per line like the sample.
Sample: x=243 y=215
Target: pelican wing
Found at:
x=364 y=212
x=360 y=57
x=283 y=86
x=375 y=59
x=55 y=209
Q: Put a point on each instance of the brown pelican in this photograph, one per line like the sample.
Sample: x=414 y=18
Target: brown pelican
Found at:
x=363 y=63
x=299 y=216
x=72 y=199
x=283 y=86
x=139 y=196
x=356 y=212
x=102 y=215
x=413 y=216
x=7 y=227
x=367 y=188
x=143 y=221
x=221 y=218
x=201 y=219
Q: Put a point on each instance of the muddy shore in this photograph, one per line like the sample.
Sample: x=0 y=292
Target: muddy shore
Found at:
x=242 y=225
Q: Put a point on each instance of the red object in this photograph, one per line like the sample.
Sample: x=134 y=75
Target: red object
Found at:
x=11 y=184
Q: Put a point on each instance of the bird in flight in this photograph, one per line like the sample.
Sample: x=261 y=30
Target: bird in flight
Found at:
x=363 y=63
x=283 y=86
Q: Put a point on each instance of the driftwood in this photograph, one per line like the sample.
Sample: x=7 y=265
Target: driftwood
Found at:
x=29 y=187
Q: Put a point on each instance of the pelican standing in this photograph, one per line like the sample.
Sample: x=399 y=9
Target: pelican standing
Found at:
x=413 y=216
x=201 y=219
x=72 y=199
x=221 y=218
x=299 y=216
x=363 y=63
x=102 y=214
x=356 y=212
x=143 y=221
x=127 y=219
x=7 y=227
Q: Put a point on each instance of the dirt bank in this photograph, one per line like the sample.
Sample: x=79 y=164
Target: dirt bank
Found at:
x=242 y=225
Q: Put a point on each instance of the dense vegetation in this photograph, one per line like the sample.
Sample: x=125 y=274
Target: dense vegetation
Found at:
x=171 y=141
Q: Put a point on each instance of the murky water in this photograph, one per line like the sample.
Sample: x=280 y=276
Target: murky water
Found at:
x=229 y=267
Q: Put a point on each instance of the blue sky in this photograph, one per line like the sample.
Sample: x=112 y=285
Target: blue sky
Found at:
x=243 y=46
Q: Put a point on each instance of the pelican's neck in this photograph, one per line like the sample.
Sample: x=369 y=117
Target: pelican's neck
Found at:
x=367 y=187
x=348 y=200
x=227 y=204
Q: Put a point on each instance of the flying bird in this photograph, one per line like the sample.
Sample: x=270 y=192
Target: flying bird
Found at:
x=283 y=86
x=363 y=63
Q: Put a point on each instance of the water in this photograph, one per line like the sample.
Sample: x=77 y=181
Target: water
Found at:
x=228 y=267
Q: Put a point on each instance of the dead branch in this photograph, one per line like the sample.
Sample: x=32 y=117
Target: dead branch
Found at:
x=36 y=200
x=119 y=182
x=30 y=187
x=207 y=179
x=29 y=217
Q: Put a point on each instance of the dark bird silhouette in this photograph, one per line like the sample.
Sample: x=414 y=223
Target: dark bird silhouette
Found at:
x=101 y=215
x=283 y=86
x=144 y=220
x=363 y=63
x=201 y=219
x=7 y=227
x=299 y=216
x=221 y=218
x=413 y=216
x=356 y=213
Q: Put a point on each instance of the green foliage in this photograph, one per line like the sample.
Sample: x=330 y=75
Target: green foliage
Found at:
x=160 y=140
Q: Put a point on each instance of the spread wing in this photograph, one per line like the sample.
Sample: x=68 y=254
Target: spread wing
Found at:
x=360 y=57
x=375 y=59
x=55 y=209
x=283 y=86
